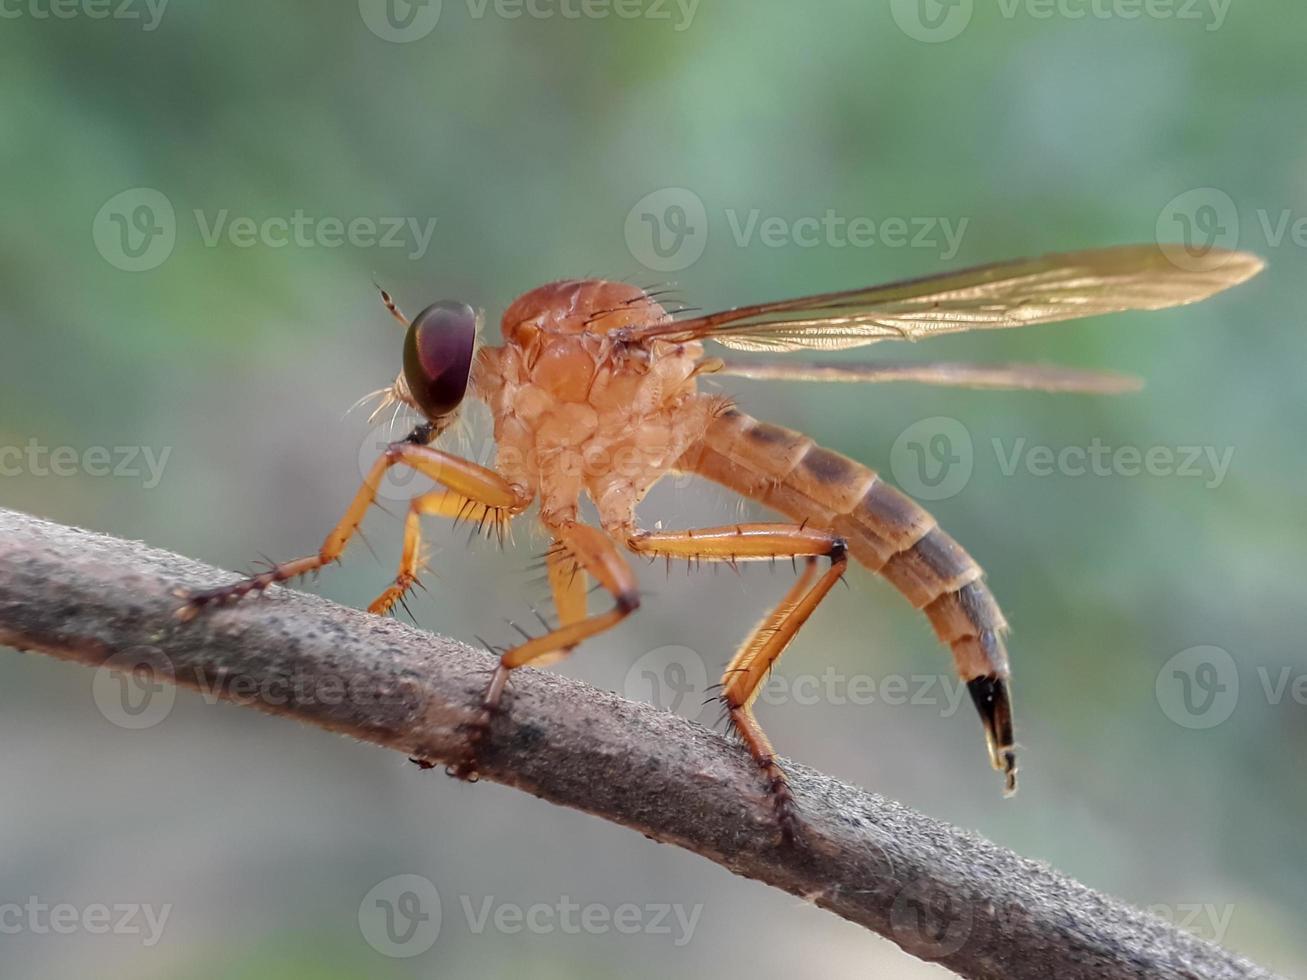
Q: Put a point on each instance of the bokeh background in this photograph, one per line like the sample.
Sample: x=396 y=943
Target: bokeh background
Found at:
x=145 y=302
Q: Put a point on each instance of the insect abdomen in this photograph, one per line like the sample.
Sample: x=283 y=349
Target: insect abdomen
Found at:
x=886 y=531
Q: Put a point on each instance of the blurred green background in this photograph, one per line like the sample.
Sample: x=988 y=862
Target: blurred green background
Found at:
x=146 y=302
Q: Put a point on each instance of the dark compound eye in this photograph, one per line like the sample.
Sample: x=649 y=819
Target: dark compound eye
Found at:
x=438 y=356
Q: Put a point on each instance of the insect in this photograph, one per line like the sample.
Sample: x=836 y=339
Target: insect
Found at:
x=595 y=392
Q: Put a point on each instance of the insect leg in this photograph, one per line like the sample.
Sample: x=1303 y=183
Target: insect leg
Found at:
x=440 y=503
x=747 y=670
x=465 y=478
x=580 y=549
x=569 y=583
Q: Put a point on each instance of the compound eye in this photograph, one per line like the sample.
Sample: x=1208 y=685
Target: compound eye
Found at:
x=438 y=356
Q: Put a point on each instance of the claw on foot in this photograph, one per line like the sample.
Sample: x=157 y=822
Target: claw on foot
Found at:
x=224 y=594
x=476 y=732
x=393 y=596
x=478 y=729
x=783 y=802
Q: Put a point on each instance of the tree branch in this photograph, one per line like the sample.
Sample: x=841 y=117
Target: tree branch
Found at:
x=938 y=892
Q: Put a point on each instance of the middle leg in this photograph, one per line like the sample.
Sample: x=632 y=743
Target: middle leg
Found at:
x=747 y=670
x=578 y=550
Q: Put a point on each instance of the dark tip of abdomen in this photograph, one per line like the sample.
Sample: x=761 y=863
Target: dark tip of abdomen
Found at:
x=990 y=696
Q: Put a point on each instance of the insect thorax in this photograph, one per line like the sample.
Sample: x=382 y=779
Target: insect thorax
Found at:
x=574 y=413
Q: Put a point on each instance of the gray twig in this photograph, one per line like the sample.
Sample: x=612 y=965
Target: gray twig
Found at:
x=938 y=892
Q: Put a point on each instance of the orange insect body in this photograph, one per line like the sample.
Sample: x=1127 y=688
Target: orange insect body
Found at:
x=575 y=415
x=594 y=393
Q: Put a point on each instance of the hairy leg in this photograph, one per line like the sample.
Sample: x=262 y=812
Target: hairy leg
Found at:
x=482 y=486
x=578 y=548
x=747 y=670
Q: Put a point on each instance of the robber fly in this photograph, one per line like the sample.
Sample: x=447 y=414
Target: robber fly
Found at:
x=595 y=392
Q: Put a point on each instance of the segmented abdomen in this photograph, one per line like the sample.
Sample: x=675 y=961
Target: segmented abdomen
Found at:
x=885 y=530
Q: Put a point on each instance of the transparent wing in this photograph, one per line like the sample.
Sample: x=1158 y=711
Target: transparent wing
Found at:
x=1064 y=286
x=1023 y=377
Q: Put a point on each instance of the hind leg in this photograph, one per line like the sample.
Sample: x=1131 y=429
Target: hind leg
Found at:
x=747 y=670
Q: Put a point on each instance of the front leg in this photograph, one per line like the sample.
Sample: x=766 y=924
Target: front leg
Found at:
x=484 y=488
